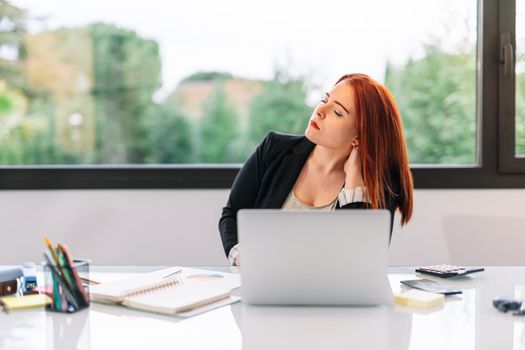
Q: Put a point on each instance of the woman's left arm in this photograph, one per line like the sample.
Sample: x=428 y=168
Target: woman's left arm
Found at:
x=353 y=195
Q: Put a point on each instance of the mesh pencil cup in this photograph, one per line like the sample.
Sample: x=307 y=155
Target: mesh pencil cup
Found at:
x=64 y=285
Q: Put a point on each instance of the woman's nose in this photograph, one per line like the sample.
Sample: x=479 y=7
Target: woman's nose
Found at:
x=320 y=113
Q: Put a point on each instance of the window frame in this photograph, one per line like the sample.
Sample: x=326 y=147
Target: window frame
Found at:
x=497 y=167
x=509 y=161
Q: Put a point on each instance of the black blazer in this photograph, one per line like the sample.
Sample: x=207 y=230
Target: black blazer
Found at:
x=267 y=178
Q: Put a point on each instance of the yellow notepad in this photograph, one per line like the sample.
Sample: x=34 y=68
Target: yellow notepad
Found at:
x=26 y=301
x=419 y=298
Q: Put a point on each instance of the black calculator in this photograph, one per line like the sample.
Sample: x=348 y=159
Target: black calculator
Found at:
x=448 y=270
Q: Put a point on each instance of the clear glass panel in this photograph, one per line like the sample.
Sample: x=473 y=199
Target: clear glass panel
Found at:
x=520 y=78
x=100 y=82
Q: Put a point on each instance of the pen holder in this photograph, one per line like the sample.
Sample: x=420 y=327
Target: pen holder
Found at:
x=66 y=287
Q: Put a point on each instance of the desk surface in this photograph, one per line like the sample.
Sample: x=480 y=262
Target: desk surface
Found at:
x=463 y=322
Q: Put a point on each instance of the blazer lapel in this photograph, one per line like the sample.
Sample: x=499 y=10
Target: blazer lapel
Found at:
x=292 y=164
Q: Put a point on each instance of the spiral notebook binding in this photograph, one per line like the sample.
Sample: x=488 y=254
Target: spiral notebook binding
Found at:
x=168 y=282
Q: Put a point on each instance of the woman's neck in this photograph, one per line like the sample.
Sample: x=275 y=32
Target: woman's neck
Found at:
x=328 y=160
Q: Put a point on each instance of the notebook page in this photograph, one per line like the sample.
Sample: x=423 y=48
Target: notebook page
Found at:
x=116 y=291
x=177 y=298
x=212 y=279
x=211 y=306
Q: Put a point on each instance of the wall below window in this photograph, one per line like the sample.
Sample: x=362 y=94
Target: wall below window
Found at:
x=179 y=227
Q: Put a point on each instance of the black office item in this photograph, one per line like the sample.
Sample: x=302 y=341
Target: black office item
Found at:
x=430 y=286
x=8 y=287
x=446 y=271
x=505 y=305
x=30 y=285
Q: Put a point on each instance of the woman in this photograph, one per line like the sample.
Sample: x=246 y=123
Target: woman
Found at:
x=352 y=156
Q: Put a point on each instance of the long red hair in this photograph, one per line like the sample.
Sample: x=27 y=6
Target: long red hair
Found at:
x=382 y=146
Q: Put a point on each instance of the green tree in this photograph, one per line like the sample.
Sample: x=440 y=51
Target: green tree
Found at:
x=281 y=106
x=170 y=136
x=6 y=102
x=126 y=74
x=218 y=130
x=207 y=76
x=13 y=24
x=29 y=139
x=437 y=99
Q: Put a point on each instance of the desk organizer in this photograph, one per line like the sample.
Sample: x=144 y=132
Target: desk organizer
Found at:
x=65 y=286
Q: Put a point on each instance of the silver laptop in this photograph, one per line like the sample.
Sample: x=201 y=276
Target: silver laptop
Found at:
x=314 y=257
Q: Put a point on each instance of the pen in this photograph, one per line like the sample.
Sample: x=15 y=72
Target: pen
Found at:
x=50 y=247
x=56 y=295
x=57 y=261
x=88 y=281
x=173 y=273
x=75 y=278
x=64 y=267
x=60 y=271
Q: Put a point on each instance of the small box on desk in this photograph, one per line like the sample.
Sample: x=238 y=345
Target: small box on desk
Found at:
x=9 y=276
x=8 y=287
x=64 y=285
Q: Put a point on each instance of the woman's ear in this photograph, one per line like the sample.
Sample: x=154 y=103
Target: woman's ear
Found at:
x=355 y=142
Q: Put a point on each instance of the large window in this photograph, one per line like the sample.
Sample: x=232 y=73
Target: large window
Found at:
x=160 y=94
x=196 y=83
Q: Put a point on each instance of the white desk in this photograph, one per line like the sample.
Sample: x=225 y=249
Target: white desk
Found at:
x=465 y=322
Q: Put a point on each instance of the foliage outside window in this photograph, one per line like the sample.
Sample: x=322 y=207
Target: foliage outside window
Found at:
x=87 y=95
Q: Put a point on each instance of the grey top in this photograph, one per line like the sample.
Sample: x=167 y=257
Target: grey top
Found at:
x=292 y=202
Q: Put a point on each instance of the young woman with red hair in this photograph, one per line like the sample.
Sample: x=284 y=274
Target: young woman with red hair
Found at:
x=352 y=156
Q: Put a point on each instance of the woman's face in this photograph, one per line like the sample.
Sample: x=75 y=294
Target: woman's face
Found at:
x=333 y=121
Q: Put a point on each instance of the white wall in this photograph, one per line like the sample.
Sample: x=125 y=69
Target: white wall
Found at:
x=168 y=227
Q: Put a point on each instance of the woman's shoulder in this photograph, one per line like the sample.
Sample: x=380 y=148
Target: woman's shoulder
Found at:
x=279 y=139
x=277 y=144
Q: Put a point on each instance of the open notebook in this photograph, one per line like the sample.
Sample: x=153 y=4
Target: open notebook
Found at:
x=179 y=291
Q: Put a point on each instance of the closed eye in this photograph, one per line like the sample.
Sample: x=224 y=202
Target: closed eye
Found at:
x=339 y=114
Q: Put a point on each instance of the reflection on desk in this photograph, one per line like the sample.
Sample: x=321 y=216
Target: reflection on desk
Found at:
x=465 y=322
x=307 y=328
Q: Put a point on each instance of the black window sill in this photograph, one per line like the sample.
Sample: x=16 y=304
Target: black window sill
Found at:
x=218 y=177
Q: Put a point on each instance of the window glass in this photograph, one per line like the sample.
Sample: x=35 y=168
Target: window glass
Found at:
x=103 y=82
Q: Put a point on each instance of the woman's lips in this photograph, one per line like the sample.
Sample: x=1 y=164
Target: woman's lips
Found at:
x=314 y=125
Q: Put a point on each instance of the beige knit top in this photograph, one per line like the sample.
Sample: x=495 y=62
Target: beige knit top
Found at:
x=292 y=202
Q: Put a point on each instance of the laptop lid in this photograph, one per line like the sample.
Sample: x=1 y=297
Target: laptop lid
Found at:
x=314 y=257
